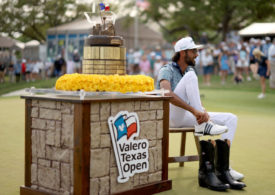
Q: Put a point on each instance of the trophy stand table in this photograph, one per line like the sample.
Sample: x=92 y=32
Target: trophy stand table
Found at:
x=70 y=148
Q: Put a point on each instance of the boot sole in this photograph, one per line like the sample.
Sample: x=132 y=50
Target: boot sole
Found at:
x=204 y=185
x=237 y=188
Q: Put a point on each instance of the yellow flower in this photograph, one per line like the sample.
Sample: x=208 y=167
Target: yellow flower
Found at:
x=114 y=83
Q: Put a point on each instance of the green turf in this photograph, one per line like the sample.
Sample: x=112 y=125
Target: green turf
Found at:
x=253 y=150
x=9 y=87
x=11 y=145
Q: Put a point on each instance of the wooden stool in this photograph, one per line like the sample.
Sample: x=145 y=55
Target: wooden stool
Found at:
x=182 y=158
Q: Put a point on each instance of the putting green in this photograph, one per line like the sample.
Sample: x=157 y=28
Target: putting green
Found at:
x=11 y=145
x=253 y=150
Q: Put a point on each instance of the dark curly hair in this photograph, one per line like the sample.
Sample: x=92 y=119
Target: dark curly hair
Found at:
x=176 y=57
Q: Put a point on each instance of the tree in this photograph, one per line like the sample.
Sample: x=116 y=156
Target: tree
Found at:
x=178 y=17
x=31 y=18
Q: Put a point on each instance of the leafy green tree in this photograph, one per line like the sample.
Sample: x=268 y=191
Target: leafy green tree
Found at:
x=31 y=18
x=217 y=17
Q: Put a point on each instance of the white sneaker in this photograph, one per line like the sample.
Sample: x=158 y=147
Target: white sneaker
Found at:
x=248 y=78
x=261 y=96
x=235 y=174
x=209 y=128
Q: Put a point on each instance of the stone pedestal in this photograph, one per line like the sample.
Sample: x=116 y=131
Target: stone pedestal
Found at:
x=68 y=148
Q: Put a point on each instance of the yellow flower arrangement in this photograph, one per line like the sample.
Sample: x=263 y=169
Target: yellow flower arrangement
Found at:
x=112 y=83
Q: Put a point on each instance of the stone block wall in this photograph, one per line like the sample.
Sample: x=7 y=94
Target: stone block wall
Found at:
x=52 y=146
x=103 y=168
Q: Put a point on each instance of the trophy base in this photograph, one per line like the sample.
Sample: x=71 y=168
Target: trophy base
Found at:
x=104 y=40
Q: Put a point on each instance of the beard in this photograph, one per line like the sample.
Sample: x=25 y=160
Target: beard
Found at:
x=189 y=61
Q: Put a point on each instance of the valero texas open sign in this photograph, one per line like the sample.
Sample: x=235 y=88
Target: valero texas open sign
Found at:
x=131 y=154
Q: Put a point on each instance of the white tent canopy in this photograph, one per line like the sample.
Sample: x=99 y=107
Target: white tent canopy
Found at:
x=32 y=43
x=258 y=29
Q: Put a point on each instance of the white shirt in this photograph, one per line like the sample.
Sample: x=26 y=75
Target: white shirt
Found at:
x=206 y=59
x=271 y=52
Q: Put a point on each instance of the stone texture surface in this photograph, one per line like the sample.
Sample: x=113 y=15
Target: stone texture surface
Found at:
x=104 y=185
x=48 y=177
x=52 y=144
x=67 y=130
x=105 y=140
x=57 y=154
x=50 y=114
x=34 y=173
x=99 y=164
x=150 y=114
x=119 y=187
x=95 y=132
x=94 y=186
x=65 y=176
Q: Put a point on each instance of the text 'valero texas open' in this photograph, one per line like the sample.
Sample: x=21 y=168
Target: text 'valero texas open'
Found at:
x=131 y=154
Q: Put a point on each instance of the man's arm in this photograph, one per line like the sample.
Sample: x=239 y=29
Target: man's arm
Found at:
x=177 y=101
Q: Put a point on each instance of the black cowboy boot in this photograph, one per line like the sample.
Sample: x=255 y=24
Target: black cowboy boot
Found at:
x=222 y=165
x=207 y=176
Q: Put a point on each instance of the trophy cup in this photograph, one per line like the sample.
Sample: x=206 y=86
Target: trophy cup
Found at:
x=104 y=52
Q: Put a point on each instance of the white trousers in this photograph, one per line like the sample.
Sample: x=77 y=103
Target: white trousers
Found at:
x=188 y=90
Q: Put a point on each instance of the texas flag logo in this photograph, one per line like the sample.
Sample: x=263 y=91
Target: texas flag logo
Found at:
x=131 y=154
x=125 y=125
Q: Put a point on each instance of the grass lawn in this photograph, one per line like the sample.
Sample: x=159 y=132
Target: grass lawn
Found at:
x=9 y=87
x=253 y=150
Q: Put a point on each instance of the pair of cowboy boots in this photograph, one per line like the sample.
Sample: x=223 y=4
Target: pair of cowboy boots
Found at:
x=214 y=166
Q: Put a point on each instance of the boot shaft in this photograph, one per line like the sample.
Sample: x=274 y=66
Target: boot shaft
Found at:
x=222 y=155
x=207 y=155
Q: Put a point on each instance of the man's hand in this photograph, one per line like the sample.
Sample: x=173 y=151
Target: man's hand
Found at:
x=201 y=117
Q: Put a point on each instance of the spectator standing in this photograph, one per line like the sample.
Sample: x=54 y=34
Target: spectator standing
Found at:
x=137 y=56
x=271 y=58
x=23 y=69
x=70 y=67
x=130 y=61
x=232 y=58
x=37 y=68
x=216 y=53
x=253 y=66
x=76 y=61
x=157 y=65
x=2 y=72
x=17 y=71
x=11 y=72
x=263 y=69
x=59 y=66
x=158 y=51
x=144 y=66
x=266 y=46
x=243 y=64
x=224 y=65
x=152 y=60
x=48 y=68
x=207 y=64
x=29 y=67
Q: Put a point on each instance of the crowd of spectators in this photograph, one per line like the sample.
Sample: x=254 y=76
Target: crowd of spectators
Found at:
x=231 y=57
x=28 y=70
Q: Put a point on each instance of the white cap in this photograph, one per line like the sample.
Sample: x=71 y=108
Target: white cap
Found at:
x=186 y=43
x=267 y=39
x=158 y=57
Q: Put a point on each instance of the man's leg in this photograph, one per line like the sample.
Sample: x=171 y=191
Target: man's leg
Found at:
x=230 y=120
x=188 y=90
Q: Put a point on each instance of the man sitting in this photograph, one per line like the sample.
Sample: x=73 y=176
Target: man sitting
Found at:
x=186 y=109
